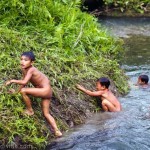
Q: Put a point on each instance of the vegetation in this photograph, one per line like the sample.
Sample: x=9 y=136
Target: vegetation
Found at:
x=139 y=6
x=70 y=47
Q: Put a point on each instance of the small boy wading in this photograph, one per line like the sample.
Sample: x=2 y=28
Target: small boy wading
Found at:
x=41 y=89
x=109 y=101
x=143 y=81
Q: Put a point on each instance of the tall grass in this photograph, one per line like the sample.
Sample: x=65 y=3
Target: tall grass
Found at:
x=70 y=47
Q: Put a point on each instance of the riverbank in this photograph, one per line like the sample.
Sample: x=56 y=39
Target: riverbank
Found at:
x=69 y=49
x=115 y=12
x=117 y=8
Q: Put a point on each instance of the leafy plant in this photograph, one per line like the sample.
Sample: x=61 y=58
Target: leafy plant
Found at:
x=139 y=6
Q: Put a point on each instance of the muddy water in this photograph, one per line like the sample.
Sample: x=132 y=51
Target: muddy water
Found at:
x=129 y=129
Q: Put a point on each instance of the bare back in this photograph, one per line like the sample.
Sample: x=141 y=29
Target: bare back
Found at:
x=111 y=98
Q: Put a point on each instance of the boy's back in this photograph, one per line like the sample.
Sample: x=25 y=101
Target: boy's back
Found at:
x=109 y=96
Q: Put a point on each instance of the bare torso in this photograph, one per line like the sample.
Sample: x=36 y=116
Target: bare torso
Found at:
x=38 y=79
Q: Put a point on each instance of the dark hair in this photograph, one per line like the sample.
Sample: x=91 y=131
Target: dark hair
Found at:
x=29 y=54
x=144 y=78
x=104 y=82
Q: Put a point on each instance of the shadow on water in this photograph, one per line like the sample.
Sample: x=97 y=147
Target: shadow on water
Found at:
x=130 y=128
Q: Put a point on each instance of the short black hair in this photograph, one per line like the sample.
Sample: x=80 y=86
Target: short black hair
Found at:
x=29 y=54
x=104 y=81
x=144 y=78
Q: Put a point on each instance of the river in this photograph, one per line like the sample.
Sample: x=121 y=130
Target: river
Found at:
x=130 y=128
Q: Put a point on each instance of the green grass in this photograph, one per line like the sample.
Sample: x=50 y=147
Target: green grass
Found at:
x=70 y=47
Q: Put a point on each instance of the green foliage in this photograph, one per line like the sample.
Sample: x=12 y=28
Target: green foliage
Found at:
x=14 y=125
x=70 y=47
x=139 y=6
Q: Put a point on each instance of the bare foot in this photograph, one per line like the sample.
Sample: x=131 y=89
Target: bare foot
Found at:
x=58 y=133
x=29 y=113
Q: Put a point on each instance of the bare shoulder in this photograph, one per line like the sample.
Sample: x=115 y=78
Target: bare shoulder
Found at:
x=32 y=70
x=36 y=72
x=112 y=95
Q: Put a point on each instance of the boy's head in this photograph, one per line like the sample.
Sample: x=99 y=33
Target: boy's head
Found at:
x=29 y=54
x=143 y=79
x=103 y=83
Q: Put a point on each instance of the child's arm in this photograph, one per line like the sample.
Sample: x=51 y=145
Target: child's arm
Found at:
x=21 y=86
x=23 y=81
x=88 y=92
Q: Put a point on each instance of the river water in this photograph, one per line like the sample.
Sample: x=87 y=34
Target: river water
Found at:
x=130 y=128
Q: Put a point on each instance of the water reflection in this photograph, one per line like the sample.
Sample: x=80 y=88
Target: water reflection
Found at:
x=138 y=50
x=130 y=128
x=124 y=27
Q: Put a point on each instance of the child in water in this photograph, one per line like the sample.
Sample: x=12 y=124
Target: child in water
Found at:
x=109 y=101
x=143 y=81
x=41 y=89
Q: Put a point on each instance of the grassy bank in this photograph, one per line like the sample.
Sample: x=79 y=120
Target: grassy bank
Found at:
x=70 y=47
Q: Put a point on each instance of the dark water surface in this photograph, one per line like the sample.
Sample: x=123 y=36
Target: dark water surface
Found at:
x=130 y=128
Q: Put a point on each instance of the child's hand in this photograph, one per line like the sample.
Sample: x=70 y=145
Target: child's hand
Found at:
x=79 y=86
x=11 y=91
x=8 y=82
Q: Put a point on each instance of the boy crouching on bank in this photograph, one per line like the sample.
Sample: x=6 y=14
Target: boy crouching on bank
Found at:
x=109 y=101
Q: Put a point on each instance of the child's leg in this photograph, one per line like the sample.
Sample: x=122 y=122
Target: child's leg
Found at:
x=37 y=92
x=107 y=106
x=45 y=108
x=44 y=93
x=29 y=110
